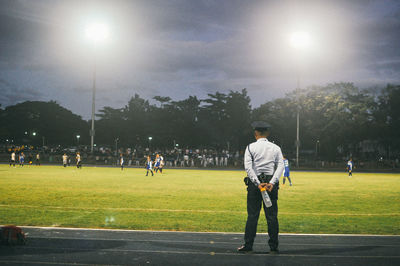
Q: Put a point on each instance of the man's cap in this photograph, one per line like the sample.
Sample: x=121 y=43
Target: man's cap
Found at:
x=260 y=125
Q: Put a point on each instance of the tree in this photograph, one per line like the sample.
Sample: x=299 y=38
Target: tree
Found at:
x=29 y=122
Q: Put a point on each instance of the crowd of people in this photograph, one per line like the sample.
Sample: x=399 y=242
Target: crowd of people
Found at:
x=205 y=158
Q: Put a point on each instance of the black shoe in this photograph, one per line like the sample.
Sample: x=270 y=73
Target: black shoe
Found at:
x=274 y=251
x=245 y=249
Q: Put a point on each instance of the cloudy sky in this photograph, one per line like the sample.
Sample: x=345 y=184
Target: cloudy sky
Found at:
x=179 y=48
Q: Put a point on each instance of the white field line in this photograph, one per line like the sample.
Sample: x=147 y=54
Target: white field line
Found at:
x=209 y=243
x=21 y=262
x=215 y=253
x=69 y=208
x=190 y=232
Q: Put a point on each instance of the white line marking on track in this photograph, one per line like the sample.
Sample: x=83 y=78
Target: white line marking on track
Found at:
x=216 y=253
x=19 y=262
x=214 y=242
x=188 y=232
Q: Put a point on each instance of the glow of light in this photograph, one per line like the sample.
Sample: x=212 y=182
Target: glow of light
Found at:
x=300 y=40
x=97 y=32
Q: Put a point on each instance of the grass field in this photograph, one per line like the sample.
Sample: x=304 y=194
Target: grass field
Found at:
x=194 y=200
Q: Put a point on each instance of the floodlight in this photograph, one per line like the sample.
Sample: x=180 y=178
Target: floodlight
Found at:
x=97 y=32
x=300 y=40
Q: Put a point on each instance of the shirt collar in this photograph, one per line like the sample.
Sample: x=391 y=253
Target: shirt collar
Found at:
x=262 y=139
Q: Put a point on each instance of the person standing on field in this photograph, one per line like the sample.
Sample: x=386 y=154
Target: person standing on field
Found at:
x=121 y=161
x=21 y=159
x=38 y=159
x=286 y=173
x=65 y=159
x=149 y=166
x=261 y=158
x=350 y=166
x=78 y=160
x=12 y=161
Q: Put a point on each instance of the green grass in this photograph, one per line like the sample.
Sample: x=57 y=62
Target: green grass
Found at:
x=194 y=200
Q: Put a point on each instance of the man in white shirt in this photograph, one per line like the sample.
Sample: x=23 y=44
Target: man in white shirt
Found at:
x=65 y=159
x=261 y=158
x=78 y=160
x=12 y=161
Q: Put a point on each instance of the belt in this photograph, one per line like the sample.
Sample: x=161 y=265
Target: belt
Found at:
x=264 y=178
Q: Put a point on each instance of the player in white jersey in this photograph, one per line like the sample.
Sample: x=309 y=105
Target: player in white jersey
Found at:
x=157 y=163
x=12 y=161
x=65 y=159
x=149 y=166
x=121 y=161
x=38 y=159
x=160 y=168
x=78 y=160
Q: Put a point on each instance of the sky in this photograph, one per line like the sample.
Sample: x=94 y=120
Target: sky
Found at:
x=182 y=48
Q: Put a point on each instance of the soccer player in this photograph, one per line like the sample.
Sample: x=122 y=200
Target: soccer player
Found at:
x=12 y=161
x=350 y=167
x=78 y=160
x=38 y=159
x=65 y=159
x=149 y=166
x=121 y=161
x=157 y=163
x=286 y=171
x=21 y=159
x=161 y=164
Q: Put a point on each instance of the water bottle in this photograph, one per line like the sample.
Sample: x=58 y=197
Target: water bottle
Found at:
x=265 y=196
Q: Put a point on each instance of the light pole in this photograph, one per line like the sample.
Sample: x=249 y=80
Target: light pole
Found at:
x=300 y=41
x=150 y=138
x=116 y=146
x=77 y=138
x=34 y=137
x=96 y=33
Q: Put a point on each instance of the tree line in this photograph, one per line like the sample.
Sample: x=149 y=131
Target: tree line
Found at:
x=336 y=120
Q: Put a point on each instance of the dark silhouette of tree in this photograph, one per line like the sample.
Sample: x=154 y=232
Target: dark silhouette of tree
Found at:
x=30 y=122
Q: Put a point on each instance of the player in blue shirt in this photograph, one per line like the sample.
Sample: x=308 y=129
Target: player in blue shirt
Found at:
x=286 y=173
x=21 y=159
x=350 y=166
x=149 y=166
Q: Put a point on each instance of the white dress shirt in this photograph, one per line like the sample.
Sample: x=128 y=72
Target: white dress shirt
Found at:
x=263 y=156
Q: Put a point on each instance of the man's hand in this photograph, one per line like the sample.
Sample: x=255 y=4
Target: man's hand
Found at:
x=262 y=185
x=269 y=186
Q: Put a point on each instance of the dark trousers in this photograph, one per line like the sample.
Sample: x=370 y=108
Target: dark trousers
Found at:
x=254 y=201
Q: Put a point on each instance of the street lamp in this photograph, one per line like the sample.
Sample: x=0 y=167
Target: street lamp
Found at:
x=96 y=33
x=34 y=134
x=116 y=146
x=77 y=138
x=150 y=138
x=300 y=41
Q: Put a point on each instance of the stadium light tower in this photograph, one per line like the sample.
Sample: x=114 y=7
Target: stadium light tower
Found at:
x=300 y=41
x=150 y=138
x=96 y=33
